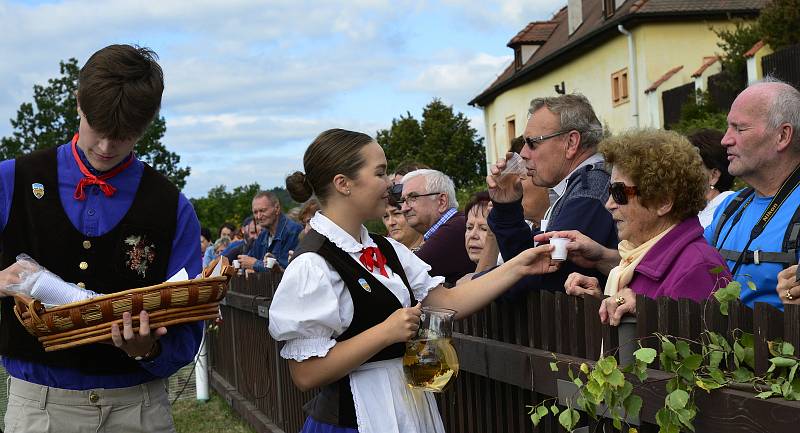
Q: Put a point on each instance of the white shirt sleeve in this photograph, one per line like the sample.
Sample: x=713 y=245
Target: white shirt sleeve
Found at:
x=416 y=271
x=305 y=309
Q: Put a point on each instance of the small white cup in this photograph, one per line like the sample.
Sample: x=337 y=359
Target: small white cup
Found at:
x=543 y=225
x=236 y=264
x=560 y=251
x=269 y=262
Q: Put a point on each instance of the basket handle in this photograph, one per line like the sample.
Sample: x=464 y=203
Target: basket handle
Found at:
x=25 y=305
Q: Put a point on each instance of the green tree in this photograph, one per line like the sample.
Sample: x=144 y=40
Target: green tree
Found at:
x=734 y=43
x=52 y=118
x=699 y=112
x=779 y=23
x=443 y=140
x=220 y=206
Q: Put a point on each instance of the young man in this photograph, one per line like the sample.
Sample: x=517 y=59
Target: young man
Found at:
x=95 y=215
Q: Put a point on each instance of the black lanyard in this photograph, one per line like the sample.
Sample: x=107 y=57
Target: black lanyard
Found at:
x=786 y=189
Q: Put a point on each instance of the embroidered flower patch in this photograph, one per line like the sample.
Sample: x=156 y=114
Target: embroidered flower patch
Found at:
x=140 y=254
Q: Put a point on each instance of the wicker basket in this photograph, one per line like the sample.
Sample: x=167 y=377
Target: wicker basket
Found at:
x=90 y=321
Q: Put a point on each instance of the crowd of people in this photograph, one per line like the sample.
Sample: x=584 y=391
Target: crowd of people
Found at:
x=645 y=212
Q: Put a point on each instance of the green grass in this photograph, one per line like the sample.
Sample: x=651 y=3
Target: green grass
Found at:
x=213 y=416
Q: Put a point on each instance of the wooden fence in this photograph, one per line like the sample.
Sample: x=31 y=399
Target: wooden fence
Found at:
x=784 y=64
x=504 y=354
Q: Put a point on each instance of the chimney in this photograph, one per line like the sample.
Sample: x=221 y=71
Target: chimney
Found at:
x=574 y=14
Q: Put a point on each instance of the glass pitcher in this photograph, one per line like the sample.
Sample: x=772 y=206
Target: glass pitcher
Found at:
x=430 y=362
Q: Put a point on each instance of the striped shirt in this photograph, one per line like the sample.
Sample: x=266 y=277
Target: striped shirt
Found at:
x=446 y=216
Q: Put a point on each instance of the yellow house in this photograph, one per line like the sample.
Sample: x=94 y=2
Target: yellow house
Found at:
x=621 y=54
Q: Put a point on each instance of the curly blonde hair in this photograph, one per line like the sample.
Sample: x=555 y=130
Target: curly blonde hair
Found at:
x=662 y=165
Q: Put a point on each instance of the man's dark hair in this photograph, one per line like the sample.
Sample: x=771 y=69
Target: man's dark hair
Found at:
x=119 y=91
x=206 y=233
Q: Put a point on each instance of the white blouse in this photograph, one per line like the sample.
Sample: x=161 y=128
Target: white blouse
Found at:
x=312 y=306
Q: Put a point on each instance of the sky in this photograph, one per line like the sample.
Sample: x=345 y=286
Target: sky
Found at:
x=249 y=84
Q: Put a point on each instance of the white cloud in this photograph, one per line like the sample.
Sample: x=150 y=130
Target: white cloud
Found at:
x=511 y=13
x=459 y=79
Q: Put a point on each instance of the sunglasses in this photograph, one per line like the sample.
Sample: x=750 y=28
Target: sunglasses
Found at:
x=534 y=142
x=621 y=192
x=396 y=195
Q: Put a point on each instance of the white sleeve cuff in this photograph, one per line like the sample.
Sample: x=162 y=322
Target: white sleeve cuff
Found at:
x=300 y=349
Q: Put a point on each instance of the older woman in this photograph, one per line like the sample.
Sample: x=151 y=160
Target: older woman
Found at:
x=715 y=165
x=657 y=188
x=477 y=228
x=398 y=229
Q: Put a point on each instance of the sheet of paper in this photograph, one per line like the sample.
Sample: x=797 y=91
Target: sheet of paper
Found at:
x=181 y=275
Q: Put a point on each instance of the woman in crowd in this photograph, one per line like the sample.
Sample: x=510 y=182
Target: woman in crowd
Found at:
x=475 y=238
x=715 y=165
x=205 y=242
x=658 y=186
x=348 y=301
x=398 y=229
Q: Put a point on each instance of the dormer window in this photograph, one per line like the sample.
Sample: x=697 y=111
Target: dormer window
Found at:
x=517 y=58
x=608 y=8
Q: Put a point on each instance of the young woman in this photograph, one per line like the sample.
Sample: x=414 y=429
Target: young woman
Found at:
x=348 y=302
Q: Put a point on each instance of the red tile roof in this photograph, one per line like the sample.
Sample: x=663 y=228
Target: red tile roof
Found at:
x=707 y=62
x=663 y=78
x=535 y=33
x=561 y=47
x=752 y=51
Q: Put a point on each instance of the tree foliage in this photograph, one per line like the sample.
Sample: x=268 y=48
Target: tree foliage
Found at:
x=734 y=43
x=700 y=112
x=443 y=140
x=52 y=118
x=779 y=23
x=220 y=205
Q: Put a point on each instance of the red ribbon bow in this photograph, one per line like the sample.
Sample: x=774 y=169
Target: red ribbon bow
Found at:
x=90 y=179
x=372 y=257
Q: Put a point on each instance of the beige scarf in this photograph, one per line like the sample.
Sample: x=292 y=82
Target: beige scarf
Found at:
x=630 y=256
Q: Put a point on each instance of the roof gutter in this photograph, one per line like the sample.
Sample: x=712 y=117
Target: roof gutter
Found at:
x=632 y=82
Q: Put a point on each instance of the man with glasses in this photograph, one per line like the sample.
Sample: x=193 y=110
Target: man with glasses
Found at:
x=560 y=153
x=279 y=234
x=430 y=207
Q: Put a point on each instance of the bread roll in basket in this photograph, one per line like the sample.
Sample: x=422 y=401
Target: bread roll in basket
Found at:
x=90 y=321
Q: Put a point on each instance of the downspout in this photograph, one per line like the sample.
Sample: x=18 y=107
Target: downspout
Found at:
x=634 y=87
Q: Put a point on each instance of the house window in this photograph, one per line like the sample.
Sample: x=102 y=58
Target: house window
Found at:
x=608 y=8
x=619 y=87
x=517 y=58
x=494 y=141
x=512 y=130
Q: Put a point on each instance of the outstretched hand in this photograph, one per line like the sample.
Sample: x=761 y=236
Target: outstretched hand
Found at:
x=583 y=250
x=536 y=261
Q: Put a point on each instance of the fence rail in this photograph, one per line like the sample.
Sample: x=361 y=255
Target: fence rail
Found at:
x=504 y=354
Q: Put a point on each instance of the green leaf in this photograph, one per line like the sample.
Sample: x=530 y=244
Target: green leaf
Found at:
x=751 y=285
x=578 y=382
x=683 y=348
x=685 y=416
x=668 y=349
x=783 y=362
x=787 y=349
x=594 y=388
x=535 y=418
x=607 y=364
x=692 y=362
x=717 y=270
x=765 y=394
x=616 y=379
x=553 y=366
x=715 y=358
x=707 y=385
x=742 y=374
x=677 y=399
x=569 y=418
x=554 y=409
x=541 y=411
x=646 y=355
x=584 y=368
x=632 y=405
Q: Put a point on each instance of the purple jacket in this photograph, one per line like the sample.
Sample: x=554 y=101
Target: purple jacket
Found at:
x=678 y=265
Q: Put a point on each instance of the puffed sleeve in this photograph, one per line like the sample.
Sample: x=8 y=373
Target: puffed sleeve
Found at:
x=416 y=271
x=305 y=309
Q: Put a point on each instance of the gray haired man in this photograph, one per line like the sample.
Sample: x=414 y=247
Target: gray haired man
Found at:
x=560 y=153
x=430 y=207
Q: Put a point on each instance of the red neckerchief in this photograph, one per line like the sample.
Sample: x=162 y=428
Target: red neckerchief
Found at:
x=90 y=179
x=372 y=257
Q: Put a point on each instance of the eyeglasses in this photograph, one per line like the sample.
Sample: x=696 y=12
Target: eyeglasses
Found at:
x=621 y=192
x=412 y=197
x=533 y=142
